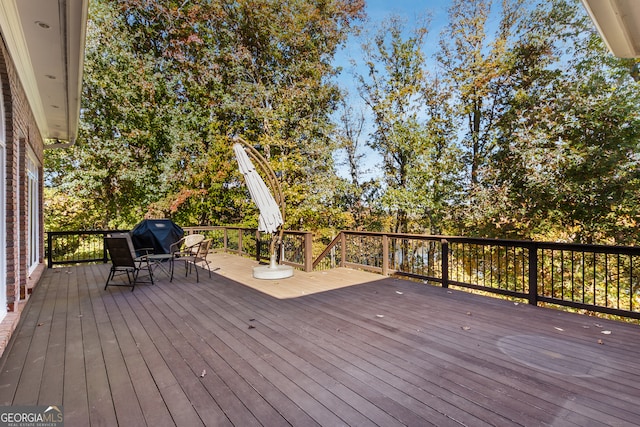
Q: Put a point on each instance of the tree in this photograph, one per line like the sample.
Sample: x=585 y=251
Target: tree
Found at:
x=126 y=119
x=566 y=165
x=597 y=135
x=167 y=83
x=260 y=69
x=475 y=70
x=512 y=198
x=531 y=133
x=410 y=131
x=391 y=89
x=349 y=139
x=442 y=174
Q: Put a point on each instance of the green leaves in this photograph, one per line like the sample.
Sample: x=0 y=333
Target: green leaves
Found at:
x=567 y=142
x=411 y=132
x=167 y=82
x=524 y=126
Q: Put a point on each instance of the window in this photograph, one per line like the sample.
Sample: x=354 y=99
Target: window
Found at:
x=3 y=213
x=32 y=213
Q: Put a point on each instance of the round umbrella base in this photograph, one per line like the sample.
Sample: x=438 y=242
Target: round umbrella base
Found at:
x=272 y=272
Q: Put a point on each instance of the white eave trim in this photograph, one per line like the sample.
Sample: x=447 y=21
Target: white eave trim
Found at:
x=615 y=21
x=16 y=44
x=72 y=33
x=76 y=24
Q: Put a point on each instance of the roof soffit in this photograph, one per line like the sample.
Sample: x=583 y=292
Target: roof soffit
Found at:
x=46 y=39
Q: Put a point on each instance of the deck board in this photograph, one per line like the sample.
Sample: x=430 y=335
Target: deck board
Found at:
x=307 y=352
x=74 y=367
x=341 y=347
x=235 y=397
x=449 y=344
x=337 y=351
x=51 y=384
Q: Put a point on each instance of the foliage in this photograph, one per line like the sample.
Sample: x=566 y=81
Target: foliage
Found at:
x=410 y=113
x=355 y=197
x=566 y=161
x=65 y=211
x=521 y=125
x=167 y=82
x=258 y=69
x=474 y=68
x=126 y=119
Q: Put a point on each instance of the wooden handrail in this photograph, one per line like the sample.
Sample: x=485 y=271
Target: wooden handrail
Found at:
x=590 y=277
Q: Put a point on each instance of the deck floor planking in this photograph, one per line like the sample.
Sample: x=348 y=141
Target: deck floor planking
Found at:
x=341 y=347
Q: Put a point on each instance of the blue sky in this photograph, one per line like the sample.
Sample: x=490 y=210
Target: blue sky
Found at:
x=377 y=11
x=411 y=10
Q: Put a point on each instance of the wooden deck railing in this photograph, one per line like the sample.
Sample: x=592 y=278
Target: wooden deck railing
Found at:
x=74 y=247
x=296 y=248
x=590 y=277
x=595 y=278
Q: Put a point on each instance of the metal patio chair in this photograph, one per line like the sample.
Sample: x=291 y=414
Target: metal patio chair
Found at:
x=125 y=261
x=191 y=242
x=194 y=256
x=187 y=246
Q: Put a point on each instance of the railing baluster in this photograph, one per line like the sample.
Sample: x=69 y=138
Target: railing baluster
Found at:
x=618 y=280
x=595 y=291
x=583 y=276
x=533 y=274
x=606 y=280
x=632 y=285
x=444 y=245
x=484 y=267
x=527 y=270
x=562 y=275
x=553 y=269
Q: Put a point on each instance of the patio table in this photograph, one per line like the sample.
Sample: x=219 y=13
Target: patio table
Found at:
x=159 y=260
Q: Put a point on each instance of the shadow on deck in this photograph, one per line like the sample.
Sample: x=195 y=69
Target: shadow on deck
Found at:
x=326 y=348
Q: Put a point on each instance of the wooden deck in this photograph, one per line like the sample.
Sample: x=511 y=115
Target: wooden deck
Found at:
x=327 y=348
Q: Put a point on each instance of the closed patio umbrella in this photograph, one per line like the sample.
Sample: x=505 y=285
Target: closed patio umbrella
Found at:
x=270 y=217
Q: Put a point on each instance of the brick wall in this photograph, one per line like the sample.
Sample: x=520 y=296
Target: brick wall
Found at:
x=21 y=134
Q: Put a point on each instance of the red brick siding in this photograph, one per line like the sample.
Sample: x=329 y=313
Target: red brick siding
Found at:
x=21 y=133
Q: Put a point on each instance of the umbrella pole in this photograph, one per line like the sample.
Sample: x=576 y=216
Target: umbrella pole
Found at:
x=273 y=270
x=272 y=252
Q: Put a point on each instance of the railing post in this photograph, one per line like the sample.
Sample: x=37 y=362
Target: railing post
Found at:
x=105 y=255
x=49 y=251
x=308 y=252
x=239 y=241
x=385 y=255
x=533 y=274
x=225 y=239
x=445 y=262
x=343 y=249
x=258 y=244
